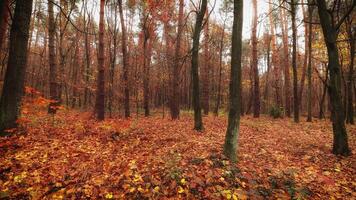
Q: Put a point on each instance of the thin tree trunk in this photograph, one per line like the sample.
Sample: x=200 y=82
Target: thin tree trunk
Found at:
x=205 y=74
x=233 y=126
x=198 y=122
x=4 y=16
x=294 y=63
x=310 y=38
x=305 y=60
x=220 y=70
x=256 y=84
x=53 y=77
x=100 y=90
x=125 y=62
x=287 y=90
x=351 y=77
x=10 y=101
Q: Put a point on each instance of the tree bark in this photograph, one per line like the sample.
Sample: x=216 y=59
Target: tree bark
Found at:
x=286 y=63
x=52 y=59
x=10 y=101
x=100 y=90
x=4 y=16
x=233 y=126
x=340 y=142
x=310 y=38
x=176 y=67
x=216 y=111
x=125 y=62
x=350 y=107
x=294 y=62
x=206 y=68
x=198 y=122
x=256 y=84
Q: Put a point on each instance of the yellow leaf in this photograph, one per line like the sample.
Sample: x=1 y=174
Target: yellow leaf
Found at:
x=228 y=196
x=234 y=197
x=183 y=181
x=109 y=196
x=156 y=189
x=132 y=189
x=180 y=190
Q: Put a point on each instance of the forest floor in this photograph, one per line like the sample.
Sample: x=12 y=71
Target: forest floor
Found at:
x=72 y=156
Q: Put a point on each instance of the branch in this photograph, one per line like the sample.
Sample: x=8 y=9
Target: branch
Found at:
x=346 y=15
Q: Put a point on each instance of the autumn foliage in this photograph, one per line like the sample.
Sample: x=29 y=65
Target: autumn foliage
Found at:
x=71 y=156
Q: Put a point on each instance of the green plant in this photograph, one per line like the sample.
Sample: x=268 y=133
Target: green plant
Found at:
x=276 y=112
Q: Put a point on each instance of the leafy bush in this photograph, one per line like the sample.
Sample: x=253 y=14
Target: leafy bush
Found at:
x=276 y=112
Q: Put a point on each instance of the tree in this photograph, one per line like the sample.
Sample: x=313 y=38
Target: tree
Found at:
x=350 y=82
x=4 y=16
x=198 y=122
x=254 y=64
x=294 y=61
x=52 y=59
x=100 y=89
x=177 y=63
x=205 y=72
x=286 y=63
x=10 y=101
x=310 y=37
x=235 y=84
x=330 y=31
x=125 y=61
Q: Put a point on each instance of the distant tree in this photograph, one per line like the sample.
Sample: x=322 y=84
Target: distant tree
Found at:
x=4 y=16
x=235 y=84
x=198 y=122
x=100 y=89
x=10 y=101
x=310 y=37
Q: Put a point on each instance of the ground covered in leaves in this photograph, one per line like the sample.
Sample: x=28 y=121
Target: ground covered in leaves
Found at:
x=70 y=156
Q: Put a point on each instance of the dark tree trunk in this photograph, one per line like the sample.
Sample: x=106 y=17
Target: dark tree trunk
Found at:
x=125 y=62
x=235 y=84
x=322 y=101
x=53 y=76
x=330 y=32
x=256 y=84
x=100 y=90
x=350 y=107
x=294 y=63
x=198 y=122
x=10 y=101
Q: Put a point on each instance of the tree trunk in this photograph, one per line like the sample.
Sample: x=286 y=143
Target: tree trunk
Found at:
x=233 y=126
x=310 y=38
x=176 y=66
x=216 y=111
x=198 y=122
x=287 y=90
x=125 y=62
x=294 y=62
x=275 y=59
x=305 y=60
x=350 y=106
x=340 y=143
x=4 y=16
x=100 y=90
x=256 y=84
x=206 y=68
x=52 y=59
x=10 y=101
